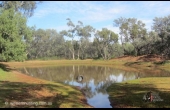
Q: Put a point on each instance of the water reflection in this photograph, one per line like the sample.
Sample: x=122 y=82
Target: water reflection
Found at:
x=94 y=80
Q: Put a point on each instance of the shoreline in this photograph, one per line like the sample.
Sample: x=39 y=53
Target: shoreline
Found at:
x=123 y=64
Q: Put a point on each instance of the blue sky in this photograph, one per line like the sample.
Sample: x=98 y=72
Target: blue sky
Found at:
x=98 y=14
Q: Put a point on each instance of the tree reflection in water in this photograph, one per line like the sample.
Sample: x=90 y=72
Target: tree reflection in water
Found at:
x=95 y=78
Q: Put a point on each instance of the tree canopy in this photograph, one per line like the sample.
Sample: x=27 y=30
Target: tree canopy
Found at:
x=25 y=7
x=13 y=32
x=20 y=42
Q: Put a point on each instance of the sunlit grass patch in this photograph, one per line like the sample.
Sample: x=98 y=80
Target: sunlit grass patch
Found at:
x=130 y=93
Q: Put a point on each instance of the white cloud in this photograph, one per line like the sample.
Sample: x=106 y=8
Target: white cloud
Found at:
x=102 y=13
x=102 y=10
x=156 y=8
x=153 y=4
x=86 y=11
x=98 y=13
x=51 y=7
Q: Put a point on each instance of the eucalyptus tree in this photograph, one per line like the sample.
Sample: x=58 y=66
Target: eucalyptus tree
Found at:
x=129 y=48
x=91 y=51
x=37 y=46
x=149 y=44
x=80 y=31
x=25 y=7
x=68 y=44
x=84 y=32
x=29 y=41
x=67 y=52
x=103 y=39
x=54 y=46
x=138 y=34
x=46 y=43
x=161 y=25
x=77 y=44
x=13 y=34
x=59 y=45
x=70 y=33
x=123 y=27
x=131 y=30
x=153 y=41
x=117 y=50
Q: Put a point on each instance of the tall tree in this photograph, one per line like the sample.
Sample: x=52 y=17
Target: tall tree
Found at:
x=103 y=40
x=74 y=30
x=46 y=43
x=71 y=33
x=162 y=27
x=13 y=31
x=25 y=7
x=131 y=30
x=84 y=32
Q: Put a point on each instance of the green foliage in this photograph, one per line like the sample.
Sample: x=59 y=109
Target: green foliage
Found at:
x=25 y=7
x=12 y=30
x=103 y=41
x=129 y=48
x=117 y=50
x=46 y=43
x=162 y=27
x=131 y=31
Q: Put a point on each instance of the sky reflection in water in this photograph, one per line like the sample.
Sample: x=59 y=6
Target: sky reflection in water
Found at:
x=95 y=79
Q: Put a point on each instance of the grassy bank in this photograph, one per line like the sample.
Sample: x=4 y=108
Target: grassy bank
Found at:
x=130 y=94
x=17 y=87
